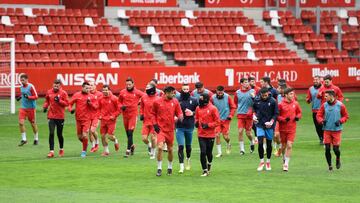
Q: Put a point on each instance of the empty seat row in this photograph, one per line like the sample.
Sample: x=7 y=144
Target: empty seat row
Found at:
x=176 y=47
x=88 y=64
x=327 y=54
x=72 y=38
x=23 y=20
x=83 y=47
x=194 y=22
x=314 y=46
x=213 y=38
x=201 y=30
x=181 y=14
x=50 y=12
x=34 y=29
x=243 y=62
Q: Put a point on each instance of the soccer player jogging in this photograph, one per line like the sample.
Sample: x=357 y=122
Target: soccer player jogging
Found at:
x=56 y=100
x=243 y=100
x=265 y=115
x=265 y=82
x=252 y=83
x=277 y=141
x=226 y=108
x=200 y=89
x=28 y=109
x=289 y=114
x=328 y=85
x=109 y=111
x=163 y=118
x=207 y=119
x=159 y=92
x=146 y=105
x=95 y=113
x=185 y=128
x=315 y=102
x=85 y=104
x=129 y=99
x=332 y=115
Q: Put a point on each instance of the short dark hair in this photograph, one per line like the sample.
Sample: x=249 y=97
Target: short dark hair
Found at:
x=220 y=88
x=288 y=90
x=242 y=80
x=281 y=80
x=169 y=89
x=266 y=79
x=199 y=85
x=57 y=81
x=317 y=76
x=264 y=90
x=330 y=92
x=251 y=78
x=25 y=76
x=185 y=84
x=106 y=86
x=154 y=80
x=129 y=79
x=85 y=83
x=328 y=77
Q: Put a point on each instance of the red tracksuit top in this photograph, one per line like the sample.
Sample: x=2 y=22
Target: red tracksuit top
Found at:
x=323 y=88
x=83 y=110
x=146 y=105
x=56 y=110
x=209 y=115
x=288 y=110
x=108 y=107
x=164 y=112
x=95 y=113
x=130 y=100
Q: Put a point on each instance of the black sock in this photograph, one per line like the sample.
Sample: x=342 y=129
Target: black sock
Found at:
x=336 y=151
x=181 y=153
x=328 y=154
x=129 y=134
x=188 y=151
x=268 y=148
x=261 y=148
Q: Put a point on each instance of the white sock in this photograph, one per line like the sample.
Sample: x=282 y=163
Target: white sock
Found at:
x=170 y=165
x=97 y=141
x=152 y=151
x=116 y=141
x=252 y=142
x=267 y=160
x=264 y=145
x=159 y=164
x=218 y=148
x=93 y=144
x=182 y=166
x=106 y=149
x=261 y=160
x=23 y=136
x=275 y=145
x=280 y=146
x=287 y=159
x=242 y=147
x=36 y=136
x=149 y=144
x=52 y=151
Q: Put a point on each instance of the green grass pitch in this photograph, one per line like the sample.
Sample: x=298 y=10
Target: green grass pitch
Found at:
x=26 y=175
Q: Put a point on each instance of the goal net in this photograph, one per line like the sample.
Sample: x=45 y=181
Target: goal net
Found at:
x=7 y=76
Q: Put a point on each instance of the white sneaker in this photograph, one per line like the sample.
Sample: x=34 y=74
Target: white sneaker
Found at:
x=285 y=168
x=261 y=166
x=187 y=164
x=204 y=174
x=228 y=148
x=218 y=155
x=181 y=171
x=152 y=156
x=268 y=166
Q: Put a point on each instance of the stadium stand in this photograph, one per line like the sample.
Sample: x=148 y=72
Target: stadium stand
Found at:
x=69 y=37
x=322 y=45
x=210 y=37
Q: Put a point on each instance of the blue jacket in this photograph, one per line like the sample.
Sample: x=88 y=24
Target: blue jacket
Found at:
x=265 y=111
x=191 y=103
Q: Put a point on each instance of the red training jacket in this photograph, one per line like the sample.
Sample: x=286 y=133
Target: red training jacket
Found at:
x=209 y=115
x=56 y=110
x=130 y=100
x=95 y=113
x=163 y=113
x=83 y=109
x=146 y=105
x=288 y=110
x=323 y=89
x=108 y=107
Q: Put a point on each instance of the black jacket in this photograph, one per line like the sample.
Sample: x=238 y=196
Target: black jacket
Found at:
x=190 y=103
x=265 y=111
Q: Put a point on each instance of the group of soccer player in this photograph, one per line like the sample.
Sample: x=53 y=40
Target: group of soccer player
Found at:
x=272 y=114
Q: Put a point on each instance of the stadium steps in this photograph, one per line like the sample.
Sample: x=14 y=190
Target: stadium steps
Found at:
x=145 y=43
x=256 y=14
x=188 y=4
x=279 y=36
